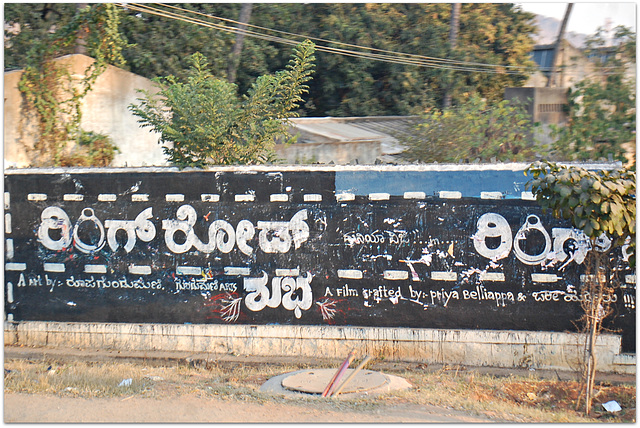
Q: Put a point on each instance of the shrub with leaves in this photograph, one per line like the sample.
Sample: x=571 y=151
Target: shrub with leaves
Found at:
x=473 y=130
x=603 y=205
x=202 y=120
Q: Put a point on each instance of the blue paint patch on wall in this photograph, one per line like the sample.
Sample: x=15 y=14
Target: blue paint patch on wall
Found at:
x=470 y=183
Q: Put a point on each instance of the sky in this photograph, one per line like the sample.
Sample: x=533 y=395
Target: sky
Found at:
x=587 y=17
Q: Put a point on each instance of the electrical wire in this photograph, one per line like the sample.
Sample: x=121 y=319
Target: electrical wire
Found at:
x=397 y=58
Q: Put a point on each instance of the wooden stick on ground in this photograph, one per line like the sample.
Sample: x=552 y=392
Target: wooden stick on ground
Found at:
x=352 y=375
x=340 y=371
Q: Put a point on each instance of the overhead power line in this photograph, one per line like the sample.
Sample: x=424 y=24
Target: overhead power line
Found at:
x=372 y=54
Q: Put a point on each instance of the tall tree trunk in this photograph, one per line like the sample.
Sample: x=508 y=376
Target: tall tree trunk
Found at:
x=552 y=80
x=245 y=16
x=454 y=27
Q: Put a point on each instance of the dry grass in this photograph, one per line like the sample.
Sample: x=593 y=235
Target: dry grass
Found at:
x=511 y=399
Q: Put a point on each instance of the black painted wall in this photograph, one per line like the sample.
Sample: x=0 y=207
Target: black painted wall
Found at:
x=290 y=247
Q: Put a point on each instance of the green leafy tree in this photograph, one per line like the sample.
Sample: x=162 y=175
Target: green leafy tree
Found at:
x=473 y=130
x=602 y=113
x=202 y=120
x=602 y=204
x=52 y=95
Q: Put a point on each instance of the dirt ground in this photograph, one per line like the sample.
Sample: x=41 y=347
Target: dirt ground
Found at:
x=174 y=405
x=29 y=408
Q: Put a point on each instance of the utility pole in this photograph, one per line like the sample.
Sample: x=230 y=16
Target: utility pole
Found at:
x=245 y=16
x=552 y=80
x=454 y=27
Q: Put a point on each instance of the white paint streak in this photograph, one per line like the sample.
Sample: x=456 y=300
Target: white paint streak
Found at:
x=73 y=197
x=15 y=266
x=7 y=200
x=445 y=194
x=527 y=196
x=313 y=197
x=174 y=197
x=279 y=197
x=444 y=276
x=245 y=198
x=344 y=197
x=95 y=268
x=7 y=223
x=36 y=197
x=107 y=197
x=139 y=197
x=242 y=271
x=395 y=275
x=10 y=317
x=379 y=196
x=9 y=249
x=210 y=197
x=287 y=272
x=140 y=270
x=630 y=279
x=350 y=273
x=544 y=277
x=188 y=270
x=415 y=195
x=54 y=267
x=10 y=292
x=491 y=195
x=492 y=276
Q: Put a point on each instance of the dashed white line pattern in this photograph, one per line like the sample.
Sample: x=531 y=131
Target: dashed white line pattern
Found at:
x=7 y=200
x=379 y=196
x=446 y=194
x=232 y=270
x=415 y=195
x=210 y=197
x=350 y=273
x=174 y=197
x=491 y=195
x=444 y=276
x=54 y=267
x=527 y=196
x=73 y=197
x=140 y=270
x=395 y=275
x=245 y=198
x=95 y=268
x=188 y=270
x=139 y=197
x=313 y=197
x=16 y=266
x=492 y=276
x=287 y=272
x=9 y=249
x=279 y=197
x=544 y=277
x=7 y=223
x=107 y=197
x=36 y=197
x=344 y=197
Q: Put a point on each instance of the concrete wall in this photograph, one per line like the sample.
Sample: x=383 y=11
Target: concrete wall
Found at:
x=360 y=249
x=517 y=349
x=105 y=110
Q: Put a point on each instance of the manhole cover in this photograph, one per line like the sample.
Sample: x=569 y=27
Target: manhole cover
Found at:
x=315 y=381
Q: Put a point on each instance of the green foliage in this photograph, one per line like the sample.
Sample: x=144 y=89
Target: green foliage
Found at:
x=596 y=202
x=52 y=95
x=92 y=149
x=205 y=121
x=602 y=114
x=473 y=130
x=344 y=86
